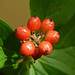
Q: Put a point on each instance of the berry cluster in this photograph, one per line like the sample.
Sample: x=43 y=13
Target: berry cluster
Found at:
x=40 y=44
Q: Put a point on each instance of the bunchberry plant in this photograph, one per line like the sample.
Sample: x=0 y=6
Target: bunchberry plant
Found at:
x=37 y=44
x=60 y=61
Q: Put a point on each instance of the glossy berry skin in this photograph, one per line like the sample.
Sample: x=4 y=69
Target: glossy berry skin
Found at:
x=22 y=33
x=52 y=36
x=47 y=24
x=34 y=23
x=36 y=54
x=27 y=48
x=45 y=48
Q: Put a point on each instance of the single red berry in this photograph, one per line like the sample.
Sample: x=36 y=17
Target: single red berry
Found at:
x=34 y=23
x=47 y=24
x=22 y=33
x=45 y=48
x=52 y=36
x=36 y=54
x=27 y=48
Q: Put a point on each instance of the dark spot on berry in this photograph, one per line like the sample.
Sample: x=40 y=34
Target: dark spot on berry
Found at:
x=28 y=39
x=36 y=46
x=38 y=34
x=50 y=19
x=46 y=51
x=33 y=32
x=16 y=29
x=35 y=16
x=42 y=33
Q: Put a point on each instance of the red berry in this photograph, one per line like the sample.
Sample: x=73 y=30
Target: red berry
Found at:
x=34 y=23
x=52 y=36
x=27 y=48
x=47 y=24
x=22 y=33
x=45 y=48
x=36 y=54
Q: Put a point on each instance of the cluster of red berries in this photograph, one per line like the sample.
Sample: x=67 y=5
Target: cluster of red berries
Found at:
x=29 y=39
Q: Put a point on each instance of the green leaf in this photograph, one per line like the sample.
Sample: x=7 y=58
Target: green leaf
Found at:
x=3 y=57
x=61 y=61
x=1 y=42
x=21 y=70
x=32 y=71
x=5 y=29
x=36 y=66
x=9 y=45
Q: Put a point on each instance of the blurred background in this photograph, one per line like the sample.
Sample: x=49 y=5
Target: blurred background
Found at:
x=15 y=12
